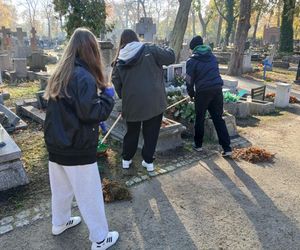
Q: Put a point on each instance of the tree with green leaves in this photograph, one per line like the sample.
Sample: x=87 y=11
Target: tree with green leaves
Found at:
x=286 y=28
x=83 y=13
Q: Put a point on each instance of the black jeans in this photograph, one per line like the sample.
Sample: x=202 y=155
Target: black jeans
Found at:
x=150 y=129
x=211 y=100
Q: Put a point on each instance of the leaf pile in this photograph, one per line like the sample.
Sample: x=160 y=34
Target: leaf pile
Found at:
x=114 y=191
x=271 y=97
x=253 y=155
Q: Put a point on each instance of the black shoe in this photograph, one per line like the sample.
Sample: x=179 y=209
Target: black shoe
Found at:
x=227 y=153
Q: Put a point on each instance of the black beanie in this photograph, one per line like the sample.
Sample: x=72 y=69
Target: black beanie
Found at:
x=196 y=41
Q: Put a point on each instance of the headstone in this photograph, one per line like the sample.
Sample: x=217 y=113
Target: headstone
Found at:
x=108 y=53
x=20 y=36
x=20 y=67
x=146 y=29
x=281 y=64
x=247 y=67
x=33 y=41
x=37 y=62
x=5 y=62
x=282 y=97
x=176 y=70
x=12 y=172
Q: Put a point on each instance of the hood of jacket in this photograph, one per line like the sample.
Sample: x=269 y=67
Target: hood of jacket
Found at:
x=130 y=54
x=202 y=53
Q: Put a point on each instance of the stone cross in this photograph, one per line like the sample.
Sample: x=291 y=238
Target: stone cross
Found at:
x=33 y=39
x=146 y=29
x=6 y=39
x=20 y=35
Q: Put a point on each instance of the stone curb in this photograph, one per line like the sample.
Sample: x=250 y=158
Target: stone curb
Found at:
x=26 y=217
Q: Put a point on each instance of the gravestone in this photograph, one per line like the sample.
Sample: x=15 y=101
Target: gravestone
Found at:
x=108 y=52
x=282 y=97
x=176 y=70
x=6 y=38
x=33 y=40
x=247 y=67
x=5 y=62
x=20 y=67
x=12 y=172
x=37 y=61
x=146 y=29
x=20 y=36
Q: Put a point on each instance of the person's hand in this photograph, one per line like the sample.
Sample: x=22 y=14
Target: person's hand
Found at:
x=109 y=91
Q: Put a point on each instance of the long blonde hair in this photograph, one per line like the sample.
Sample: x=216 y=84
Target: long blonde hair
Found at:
x=82 y=44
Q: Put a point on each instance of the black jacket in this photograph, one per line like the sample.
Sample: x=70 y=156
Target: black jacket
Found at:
x=202 y=71
x=139 y=83
x=72 y=123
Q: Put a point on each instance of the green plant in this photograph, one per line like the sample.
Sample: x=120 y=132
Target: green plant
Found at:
x=178 y=81
x=229 y=97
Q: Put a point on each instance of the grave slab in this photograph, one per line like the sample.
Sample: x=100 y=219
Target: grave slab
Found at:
x=33 y=113
x=12 y=172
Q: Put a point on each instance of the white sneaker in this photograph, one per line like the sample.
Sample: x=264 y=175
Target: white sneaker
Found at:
x=110 y=240
x=149 y=166
x=56 y=230
x=126 y=164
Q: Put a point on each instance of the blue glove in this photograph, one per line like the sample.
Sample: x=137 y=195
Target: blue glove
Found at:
x=109 y=91
x=103 y=128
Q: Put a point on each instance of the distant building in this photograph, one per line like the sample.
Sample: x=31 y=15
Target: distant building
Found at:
x=271 y=35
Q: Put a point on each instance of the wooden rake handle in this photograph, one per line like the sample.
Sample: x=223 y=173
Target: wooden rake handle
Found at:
x=176 y=103
x=111 y=128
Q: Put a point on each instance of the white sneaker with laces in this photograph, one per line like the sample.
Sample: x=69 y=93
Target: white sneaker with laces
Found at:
x=149 y=166
x=74 y=221
x=126 y=164
x=110 y=240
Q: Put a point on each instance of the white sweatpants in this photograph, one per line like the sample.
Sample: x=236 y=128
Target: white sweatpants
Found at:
x=84 y=182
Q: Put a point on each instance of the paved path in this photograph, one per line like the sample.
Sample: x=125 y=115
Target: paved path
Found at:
x=212 y=204
x=215 y=204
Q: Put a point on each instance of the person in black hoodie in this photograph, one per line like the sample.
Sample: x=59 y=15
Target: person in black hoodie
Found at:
x=204 y=84
x=138 y=79
x=71 y=135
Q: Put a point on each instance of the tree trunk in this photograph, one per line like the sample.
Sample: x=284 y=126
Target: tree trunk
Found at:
x=256 y=24
x=194 y=22
x=49 y=28
x=233 y=31
x=229 y=19
x=219 y=30
x=180 y=27
x=203 y=24
x=286 y=29
x=236 y=60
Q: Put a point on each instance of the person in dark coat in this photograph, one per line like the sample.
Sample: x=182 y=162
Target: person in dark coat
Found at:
x=138 y=79
x=204 y=84
x=71 y=135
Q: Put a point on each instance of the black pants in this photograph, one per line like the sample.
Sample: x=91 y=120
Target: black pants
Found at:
x=211 y=100
x=150 y=129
